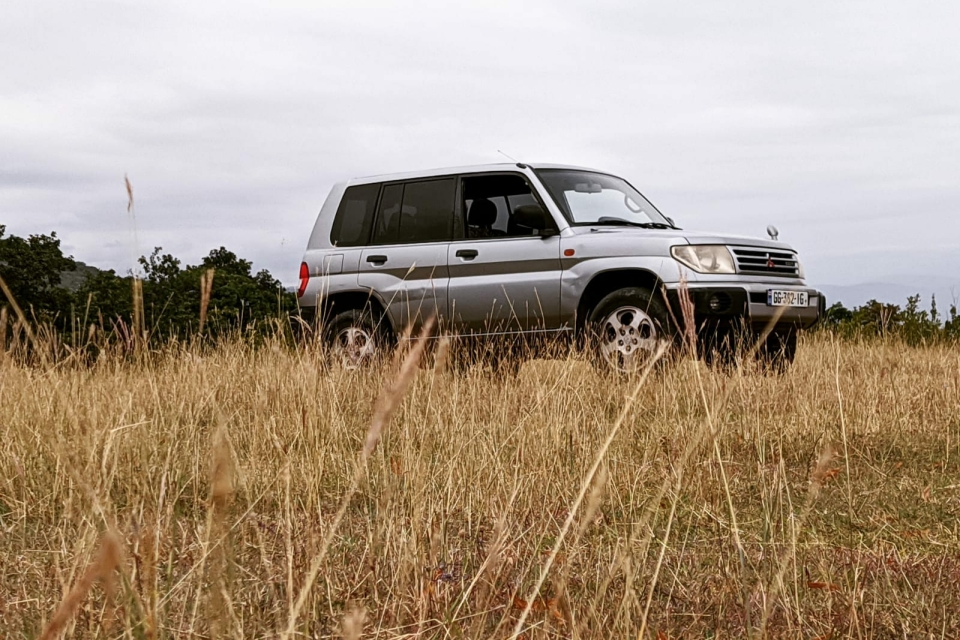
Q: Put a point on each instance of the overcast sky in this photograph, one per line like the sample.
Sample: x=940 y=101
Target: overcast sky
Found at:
x=837 y=121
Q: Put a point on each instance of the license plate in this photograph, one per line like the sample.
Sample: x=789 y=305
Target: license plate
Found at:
x=779 y=298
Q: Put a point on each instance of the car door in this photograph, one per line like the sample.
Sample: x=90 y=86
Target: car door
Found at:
x=504 y=278
x=406 y=264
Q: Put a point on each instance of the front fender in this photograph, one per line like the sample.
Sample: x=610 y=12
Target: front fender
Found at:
x=577 y=275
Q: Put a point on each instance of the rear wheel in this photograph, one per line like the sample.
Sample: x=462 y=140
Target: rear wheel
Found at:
x=627 y=327
x=356 y=338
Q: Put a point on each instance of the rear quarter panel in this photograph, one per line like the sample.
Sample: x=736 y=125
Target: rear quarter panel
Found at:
x=332 y=269
x=320 y=236
x=325 y=276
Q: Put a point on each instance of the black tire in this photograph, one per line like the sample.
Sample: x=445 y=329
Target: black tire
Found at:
x=625 y=329
x=356 y=338
x=723 y=346
x=778 y=351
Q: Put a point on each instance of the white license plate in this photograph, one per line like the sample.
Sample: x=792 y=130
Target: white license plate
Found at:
x=779 y=298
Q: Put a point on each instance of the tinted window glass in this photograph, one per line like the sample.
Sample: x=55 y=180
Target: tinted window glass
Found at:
x=489 y=202
x=388 y=220
x=427 y=211
x=351 y=226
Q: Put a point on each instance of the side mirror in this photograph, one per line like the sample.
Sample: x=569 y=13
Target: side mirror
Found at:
x=534 y=217
x=670 y=220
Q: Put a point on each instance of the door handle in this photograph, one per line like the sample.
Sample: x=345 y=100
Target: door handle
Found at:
x=467 y=254
x=377 y=259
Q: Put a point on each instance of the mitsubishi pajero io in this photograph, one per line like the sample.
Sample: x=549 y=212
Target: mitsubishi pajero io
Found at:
x=543 y=251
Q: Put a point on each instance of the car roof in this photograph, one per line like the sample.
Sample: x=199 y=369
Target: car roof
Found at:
x=477 y=168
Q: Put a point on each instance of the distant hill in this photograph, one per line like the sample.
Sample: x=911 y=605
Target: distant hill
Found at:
x=855 y=295
x=71 y=280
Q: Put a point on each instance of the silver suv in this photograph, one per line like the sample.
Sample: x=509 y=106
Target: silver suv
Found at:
x=525 y=251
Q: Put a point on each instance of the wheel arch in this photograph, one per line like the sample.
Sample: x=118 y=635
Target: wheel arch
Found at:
x=355 y=299
x=606 y=282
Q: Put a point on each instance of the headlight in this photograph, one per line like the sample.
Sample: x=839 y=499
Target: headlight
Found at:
x=800 y=269
x=705 y=258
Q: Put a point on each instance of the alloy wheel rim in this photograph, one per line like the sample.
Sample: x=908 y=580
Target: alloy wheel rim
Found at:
x=628 y=337
x=354 y=346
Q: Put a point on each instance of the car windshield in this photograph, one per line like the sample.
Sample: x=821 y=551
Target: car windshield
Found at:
x=588 y=198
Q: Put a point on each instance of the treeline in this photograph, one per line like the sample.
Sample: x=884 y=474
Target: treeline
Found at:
x=911 y=323
x=170 y=299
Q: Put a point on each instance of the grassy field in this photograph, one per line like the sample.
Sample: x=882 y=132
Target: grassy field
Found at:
x=241 y=492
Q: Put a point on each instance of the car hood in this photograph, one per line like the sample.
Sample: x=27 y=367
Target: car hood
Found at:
x=679 y=236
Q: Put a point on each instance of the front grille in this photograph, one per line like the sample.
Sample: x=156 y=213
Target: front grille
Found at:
x=766 y=262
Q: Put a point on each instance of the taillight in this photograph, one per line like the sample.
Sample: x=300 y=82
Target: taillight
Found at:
x=304 y=279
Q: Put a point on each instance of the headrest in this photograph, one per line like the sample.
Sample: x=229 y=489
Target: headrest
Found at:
x=483 y=213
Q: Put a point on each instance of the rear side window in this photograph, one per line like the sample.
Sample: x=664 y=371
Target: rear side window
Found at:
x=351 y=226
x=416 y=212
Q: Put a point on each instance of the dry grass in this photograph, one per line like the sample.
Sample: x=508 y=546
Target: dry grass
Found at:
x=820 y=503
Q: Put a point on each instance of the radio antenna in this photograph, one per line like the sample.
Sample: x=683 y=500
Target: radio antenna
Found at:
x=518 y=163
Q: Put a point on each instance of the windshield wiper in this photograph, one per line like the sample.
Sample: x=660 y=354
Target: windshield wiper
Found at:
x=609 y=220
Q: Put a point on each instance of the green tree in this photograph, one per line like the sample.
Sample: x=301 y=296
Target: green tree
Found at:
x=837 y=315
x=238 y=297
x=104 y=298
x=32 y=268
x=172 y=297
x=916 y=325
x=226 y=262
x=951 y=327
x=159 y=268
x=877 y=318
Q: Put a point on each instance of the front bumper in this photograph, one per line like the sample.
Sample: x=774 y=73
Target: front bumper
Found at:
x=746 y=304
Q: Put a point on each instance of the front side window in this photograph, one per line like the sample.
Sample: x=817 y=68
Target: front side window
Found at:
x=588 y=198
x=416 y=212
x=351 y=225
x=489 y=202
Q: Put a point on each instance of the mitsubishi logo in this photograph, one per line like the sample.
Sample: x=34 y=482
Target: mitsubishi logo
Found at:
x=770 y=263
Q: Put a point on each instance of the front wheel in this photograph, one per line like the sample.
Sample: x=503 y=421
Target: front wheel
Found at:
x=355 y=338
x=778 y=352
x=627 y=327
